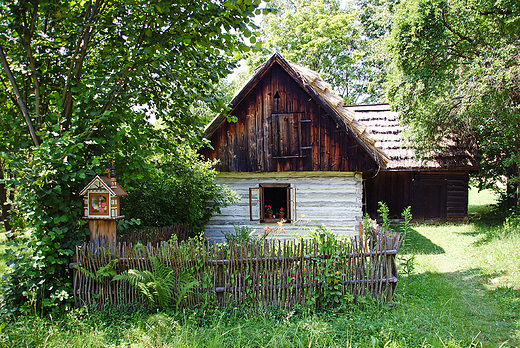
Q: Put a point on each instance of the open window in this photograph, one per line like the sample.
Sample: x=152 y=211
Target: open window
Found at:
x=280 y=197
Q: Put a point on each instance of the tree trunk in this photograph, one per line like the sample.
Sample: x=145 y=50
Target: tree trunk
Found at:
x=6 y=207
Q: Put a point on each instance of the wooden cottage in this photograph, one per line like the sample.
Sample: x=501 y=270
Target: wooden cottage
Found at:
x=294 y=148
x=436 y=189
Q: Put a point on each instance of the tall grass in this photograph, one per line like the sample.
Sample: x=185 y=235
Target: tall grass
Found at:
x=461 y=289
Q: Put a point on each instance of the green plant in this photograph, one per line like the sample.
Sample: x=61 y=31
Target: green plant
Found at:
x=407 y=216
x=330 y=269
x=162 y=286
x=103 y=274
x=242 y=233
x=383 y=214
x=368 y=225
x=181 y=190
x=268 y=209
x=281 y=211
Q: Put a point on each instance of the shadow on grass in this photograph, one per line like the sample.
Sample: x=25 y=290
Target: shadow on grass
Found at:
x=416 y=243
x=493 y=223
x=460 y=303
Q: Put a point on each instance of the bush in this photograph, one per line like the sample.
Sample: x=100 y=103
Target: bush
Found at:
x=179 y=192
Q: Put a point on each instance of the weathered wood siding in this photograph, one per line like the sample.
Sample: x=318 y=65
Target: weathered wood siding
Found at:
x=280 y=128
x=331 y=198
x=436 y=196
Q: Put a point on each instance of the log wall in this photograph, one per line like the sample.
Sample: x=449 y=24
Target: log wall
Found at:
x=332 y=199
x=436 y=196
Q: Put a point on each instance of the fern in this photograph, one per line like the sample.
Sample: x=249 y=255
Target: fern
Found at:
x=162 y=286
x=103 y=274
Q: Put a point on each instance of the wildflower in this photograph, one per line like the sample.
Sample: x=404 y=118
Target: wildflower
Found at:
x=303 y=215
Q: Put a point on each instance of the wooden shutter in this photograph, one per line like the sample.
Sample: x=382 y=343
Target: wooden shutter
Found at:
x=255 y=204
x=291 y=203
x=286 y=135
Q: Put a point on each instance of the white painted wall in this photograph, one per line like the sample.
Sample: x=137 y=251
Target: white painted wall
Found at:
x=334 y=199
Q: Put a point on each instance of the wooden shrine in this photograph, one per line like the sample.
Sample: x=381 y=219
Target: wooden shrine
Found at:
x=102 y=207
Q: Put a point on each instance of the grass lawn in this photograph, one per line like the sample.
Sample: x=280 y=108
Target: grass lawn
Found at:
x=459 y=286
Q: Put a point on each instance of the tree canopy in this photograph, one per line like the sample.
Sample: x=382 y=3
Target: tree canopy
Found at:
x=455 y=74
x=80 y=81
x=319 y=35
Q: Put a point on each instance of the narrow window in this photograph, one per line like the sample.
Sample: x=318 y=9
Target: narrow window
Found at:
x=278 y=197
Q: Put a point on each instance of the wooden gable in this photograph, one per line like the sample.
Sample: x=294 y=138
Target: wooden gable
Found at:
x=284 y=125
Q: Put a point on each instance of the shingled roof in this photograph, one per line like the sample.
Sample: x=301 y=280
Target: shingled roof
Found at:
x=321 y=91
x=383 y=125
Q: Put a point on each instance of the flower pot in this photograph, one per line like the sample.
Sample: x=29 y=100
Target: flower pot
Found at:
x=281 y=215
x=269 y=216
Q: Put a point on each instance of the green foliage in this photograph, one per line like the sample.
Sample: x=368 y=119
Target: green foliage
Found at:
x=407 y=216
x=160 y=287
x=241 y=234
x=182 y=190
x=383 y=214
x=319 y=35
x=375 y=17
x=454 y=81
x=104 y=274
x=90 y=76
x=330 y=269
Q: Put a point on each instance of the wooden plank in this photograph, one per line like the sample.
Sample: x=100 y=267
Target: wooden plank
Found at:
x=251 y=133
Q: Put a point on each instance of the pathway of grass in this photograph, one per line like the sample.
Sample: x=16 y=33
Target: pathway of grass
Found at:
x=459 y=277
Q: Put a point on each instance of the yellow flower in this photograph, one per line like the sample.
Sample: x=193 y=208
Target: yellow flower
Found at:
x=303 y=215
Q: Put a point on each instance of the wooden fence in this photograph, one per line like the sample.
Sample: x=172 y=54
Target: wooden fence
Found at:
x=280 y=273
x=156 y=234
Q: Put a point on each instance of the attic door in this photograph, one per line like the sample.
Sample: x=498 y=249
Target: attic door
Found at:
x=289 y=135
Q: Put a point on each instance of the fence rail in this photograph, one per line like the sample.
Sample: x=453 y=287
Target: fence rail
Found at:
x=281 y=273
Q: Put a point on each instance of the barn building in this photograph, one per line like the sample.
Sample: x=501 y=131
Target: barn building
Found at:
x=295 y=148
x=437 y=189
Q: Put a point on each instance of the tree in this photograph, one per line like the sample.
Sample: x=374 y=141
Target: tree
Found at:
x=455 y=75
x=319 y=35
x=80 y=81
x=376 y=18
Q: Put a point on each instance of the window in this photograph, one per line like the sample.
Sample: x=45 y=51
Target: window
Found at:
x=277 y=196
x=98 y=204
